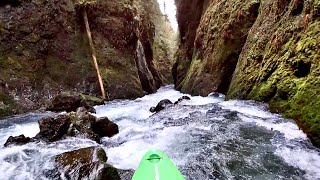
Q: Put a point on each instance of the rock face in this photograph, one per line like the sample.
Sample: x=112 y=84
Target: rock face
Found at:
x=262 y=50
x=86 y=163
x=44 y=50
x=209 y=51
x=17 y=140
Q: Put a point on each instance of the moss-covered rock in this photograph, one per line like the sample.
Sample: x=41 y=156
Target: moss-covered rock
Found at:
x=284 y=70
x=86 y=163
x=211 y=45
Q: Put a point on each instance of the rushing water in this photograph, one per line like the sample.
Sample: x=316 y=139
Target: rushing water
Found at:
x=206 y=137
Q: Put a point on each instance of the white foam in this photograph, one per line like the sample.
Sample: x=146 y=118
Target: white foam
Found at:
x=29 y=130
x=138 y=133
x=289 y=129
x=307 y=160
x=149 y=136
x=246 y=108
x=139 y=108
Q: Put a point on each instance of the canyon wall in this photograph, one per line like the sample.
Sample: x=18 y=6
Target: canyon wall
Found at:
x=44 y=50
x=253 y=49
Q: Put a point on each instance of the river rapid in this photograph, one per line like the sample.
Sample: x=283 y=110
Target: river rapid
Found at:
x=206 y=137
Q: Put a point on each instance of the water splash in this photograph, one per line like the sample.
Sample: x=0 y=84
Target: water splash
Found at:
x=207 y=137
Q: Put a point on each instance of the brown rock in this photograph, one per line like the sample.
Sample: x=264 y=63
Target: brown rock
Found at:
x=86 y=163
x=104 y=127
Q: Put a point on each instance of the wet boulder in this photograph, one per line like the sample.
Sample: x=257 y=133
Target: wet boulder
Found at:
x=161 y=105
x=182 y=98
x=17 y=140
x=81 y=124
x=71 y=102
x=105 y=128
x=53 y=128
x=85 y=163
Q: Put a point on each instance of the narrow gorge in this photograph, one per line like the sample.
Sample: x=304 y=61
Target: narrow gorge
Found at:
x=227 y=89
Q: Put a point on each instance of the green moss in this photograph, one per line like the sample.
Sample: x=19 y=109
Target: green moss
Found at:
x=93 y=99
x=263 y=92
x=102 y=156
x=8 y=105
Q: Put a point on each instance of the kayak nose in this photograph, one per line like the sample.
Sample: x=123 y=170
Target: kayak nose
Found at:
x=154 y=158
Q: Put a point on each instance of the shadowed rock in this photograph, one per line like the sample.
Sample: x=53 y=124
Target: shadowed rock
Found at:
x=161 y=105
x=53 y=129
x=104 y=127
x=17 y=140
x=70 y=102
x=182 y=98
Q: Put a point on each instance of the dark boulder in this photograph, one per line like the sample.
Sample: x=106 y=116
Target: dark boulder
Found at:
x=152 y=109
x=17 y=140
x=82 y=123
x=86 y=163
x=104 y=127
x=71 y=102
x=53 y=128
x=161 y=105
x=64 y=102
x=182 y=98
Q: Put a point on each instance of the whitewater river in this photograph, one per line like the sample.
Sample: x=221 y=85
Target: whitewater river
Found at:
x=206 y=137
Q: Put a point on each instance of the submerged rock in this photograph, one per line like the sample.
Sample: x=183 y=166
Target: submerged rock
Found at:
x=86 y=163
x=161 y=105
x=70 y=102
x=17 y=140
x=182 y=98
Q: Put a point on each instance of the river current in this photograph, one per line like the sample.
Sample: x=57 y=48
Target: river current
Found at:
x=206 y=137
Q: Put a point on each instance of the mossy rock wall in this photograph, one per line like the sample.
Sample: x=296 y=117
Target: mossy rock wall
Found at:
x=279 y=63
x=210 y=45
x=254 y=49
x=44 y=50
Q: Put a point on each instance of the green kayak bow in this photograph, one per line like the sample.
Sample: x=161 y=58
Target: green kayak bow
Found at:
x=155 y=165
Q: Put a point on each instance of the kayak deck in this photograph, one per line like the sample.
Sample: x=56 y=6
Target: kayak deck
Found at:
x=155 y=165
